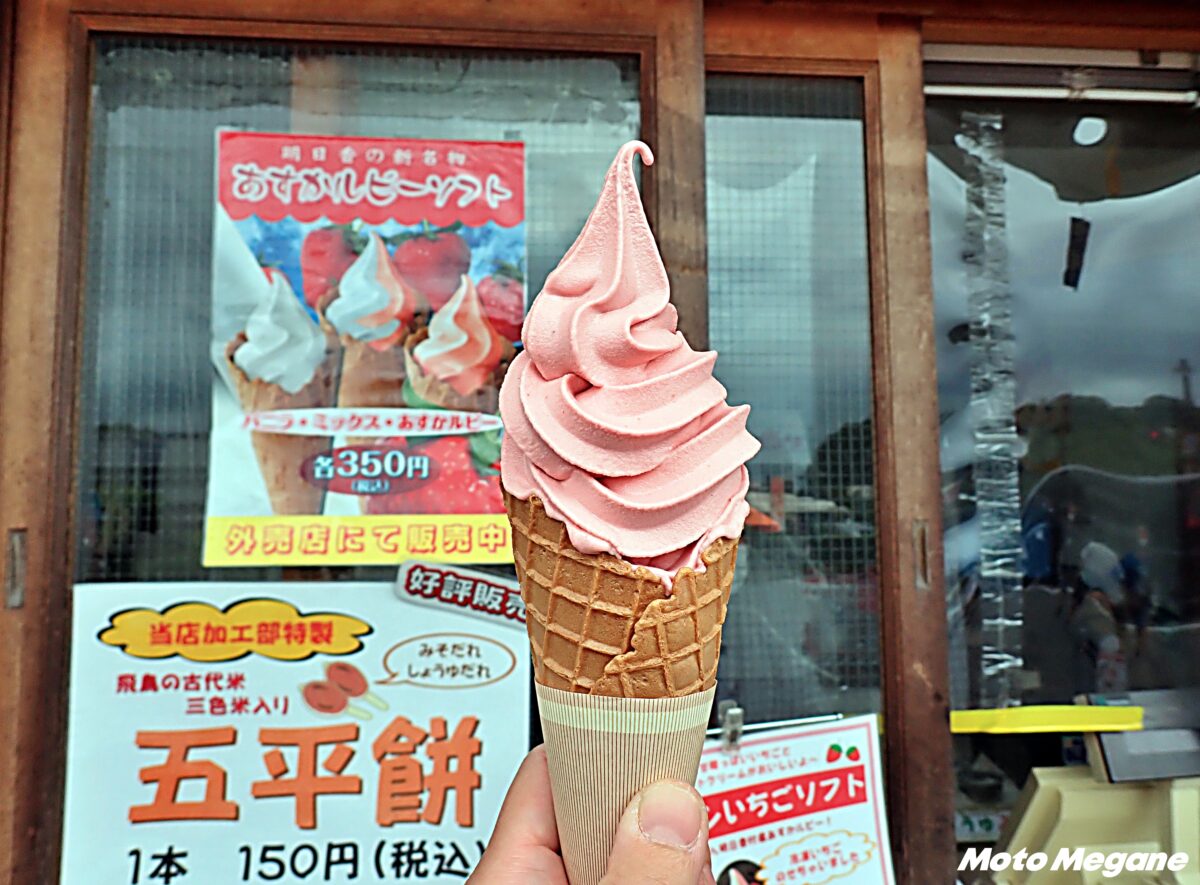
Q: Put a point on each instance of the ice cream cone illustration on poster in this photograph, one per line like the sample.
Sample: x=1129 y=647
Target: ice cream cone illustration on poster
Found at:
x=281 y=359
x=373 y=310
x=284 y=361
x=458 y=361
x=368 y=296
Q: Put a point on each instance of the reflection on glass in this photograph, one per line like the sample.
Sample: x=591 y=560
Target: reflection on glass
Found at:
x=156 y=105
x=1079 y=337
x=1101 y=230
x=789 y=313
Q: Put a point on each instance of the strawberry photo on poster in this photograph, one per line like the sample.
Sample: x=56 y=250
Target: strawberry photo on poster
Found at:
x=368 y=296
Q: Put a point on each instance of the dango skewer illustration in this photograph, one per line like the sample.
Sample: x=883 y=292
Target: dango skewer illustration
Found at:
x=327 y=698
x=353 y=682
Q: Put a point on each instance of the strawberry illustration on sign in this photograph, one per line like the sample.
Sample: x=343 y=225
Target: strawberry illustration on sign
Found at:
x=432 y=261
x=503 y=297
x=459 y=487
x=363 y=289
x=834 y=753
x=325 y=254
x=853 y=755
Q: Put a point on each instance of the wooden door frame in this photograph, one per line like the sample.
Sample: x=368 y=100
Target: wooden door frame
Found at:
x=43 y=83
x=40 y=312
x=1101 y=24
x=884 y=54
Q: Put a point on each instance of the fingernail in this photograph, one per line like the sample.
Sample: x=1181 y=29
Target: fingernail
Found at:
x=670 y=815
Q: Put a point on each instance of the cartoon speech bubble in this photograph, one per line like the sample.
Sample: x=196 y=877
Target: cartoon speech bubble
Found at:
x=201 y=632
x=448 y=660
x=822 y=857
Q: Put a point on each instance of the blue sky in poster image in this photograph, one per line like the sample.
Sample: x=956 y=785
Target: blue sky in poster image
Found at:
x=277 y=244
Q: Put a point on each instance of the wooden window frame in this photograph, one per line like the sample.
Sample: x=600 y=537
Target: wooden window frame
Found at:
x=881 y=42
x=884 y=54
x=40 y=378
x=8 y=29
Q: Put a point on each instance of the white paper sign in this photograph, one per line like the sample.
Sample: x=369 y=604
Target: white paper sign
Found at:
x=287 y=732
x=800 y=805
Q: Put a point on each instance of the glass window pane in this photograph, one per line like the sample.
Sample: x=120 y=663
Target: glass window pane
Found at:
x=1065 y=267
x=789 y=312
x=1070 y=430
x=145 y=395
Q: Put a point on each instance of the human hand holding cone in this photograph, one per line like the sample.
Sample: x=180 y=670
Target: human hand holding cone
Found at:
x=625 y=484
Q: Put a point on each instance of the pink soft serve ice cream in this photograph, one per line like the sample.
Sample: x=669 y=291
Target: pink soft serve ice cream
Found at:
x=611 y=419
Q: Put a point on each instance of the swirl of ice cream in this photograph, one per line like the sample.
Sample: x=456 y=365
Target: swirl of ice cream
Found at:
x=283 y=344
x=462 y=348
x=373 y=305
x=610 y=417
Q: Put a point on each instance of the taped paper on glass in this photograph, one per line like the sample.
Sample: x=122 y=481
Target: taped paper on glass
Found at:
x=993 y=408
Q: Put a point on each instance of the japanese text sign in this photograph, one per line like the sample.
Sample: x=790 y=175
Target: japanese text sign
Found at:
x=367 y=300
x=287 y=733
x=801 y=805
x=309 y=177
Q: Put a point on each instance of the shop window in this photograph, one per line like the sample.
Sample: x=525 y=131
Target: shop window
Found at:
x=1064 y=269
x=789 y=312
x=145 y=402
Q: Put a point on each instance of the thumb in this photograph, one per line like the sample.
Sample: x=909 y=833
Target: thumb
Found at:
x=662 y=839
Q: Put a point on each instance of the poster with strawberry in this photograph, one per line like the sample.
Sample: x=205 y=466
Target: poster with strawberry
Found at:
x=801 y=803
x=368 y=296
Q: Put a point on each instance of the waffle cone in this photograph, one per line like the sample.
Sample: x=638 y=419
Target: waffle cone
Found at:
x=603 y=626
x=371 y=378
x=279 y=455
x=437 y=392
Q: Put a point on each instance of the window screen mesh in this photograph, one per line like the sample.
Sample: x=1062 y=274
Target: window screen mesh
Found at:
x=789 y=311
x=146 y=380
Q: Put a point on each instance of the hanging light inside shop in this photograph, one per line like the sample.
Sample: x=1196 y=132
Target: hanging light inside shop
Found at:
x=1090 y=131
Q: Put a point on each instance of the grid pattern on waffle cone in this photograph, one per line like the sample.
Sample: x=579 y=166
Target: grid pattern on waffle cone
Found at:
x=677 y=640
x=600 y=625
x=580 y=609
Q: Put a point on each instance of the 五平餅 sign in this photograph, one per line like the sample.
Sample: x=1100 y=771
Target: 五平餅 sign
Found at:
x=292 y=732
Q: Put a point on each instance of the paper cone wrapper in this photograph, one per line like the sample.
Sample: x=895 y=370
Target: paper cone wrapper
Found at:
x=280 y=456
x=602 y=750
x=625 y=673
